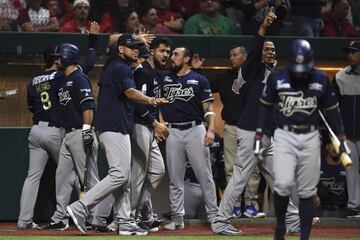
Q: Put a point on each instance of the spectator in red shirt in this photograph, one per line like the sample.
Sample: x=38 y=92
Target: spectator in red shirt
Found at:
x=81 y=22
x=60 y=10
x=170 y=19
x=35 y=18
x=336 y=23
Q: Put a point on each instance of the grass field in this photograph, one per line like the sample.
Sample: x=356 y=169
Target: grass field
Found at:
x=154 y=237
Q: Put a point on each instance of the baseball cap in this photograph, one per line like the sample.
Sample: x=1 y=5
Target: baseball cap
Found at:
x=353 y=46
x=77 y=2
x=128 y=40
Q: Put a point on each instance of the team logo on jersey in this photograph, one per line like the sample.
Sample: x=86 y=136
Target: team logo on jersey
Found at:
x=329 y=184
x=235 y=87
x=292 y=102
x=86 y=90
x=192 y=81
x=64 y=97
x=299 y=59
x=174 y=91
x=281 y=85
x=168 y=79
x=157 y=92
x=155 y=82
x=316 y=86
x=69 y=83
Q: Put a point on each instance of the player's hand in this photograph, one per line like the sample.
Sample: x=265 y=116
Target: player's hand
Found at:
x=209 y=137
x=197 y=61
x=157 y=101
x=146 y=38
x=317 y=201
x=259 y=147
x=87 y=137
x=269 y=18
x=94 y=28
x=160 y=130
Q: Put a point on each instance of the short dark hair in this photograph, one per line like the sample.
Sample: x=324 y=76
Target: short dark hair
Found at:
x=187 y=53
x=48 y=55
x=242 y=48
x=160 y=40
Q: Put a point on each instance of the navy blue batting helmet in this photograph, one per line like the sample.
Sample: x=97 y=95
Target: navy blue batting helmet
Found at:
x=69 y=54
x=300 y=56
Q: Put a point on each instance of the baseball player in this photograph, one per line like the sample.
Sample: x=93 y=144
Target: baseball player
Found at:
x=294 y=95
x=190 y=103
x=347 y=89
x=45 y=135
x=147 y=165
x=255 y=71
x=78 y=148
x=114 y=123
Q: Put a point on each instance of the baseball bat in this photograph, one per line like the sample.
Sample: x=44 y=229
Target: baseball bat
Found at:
x=7 y=93
x=84 y=187
x=344 y=158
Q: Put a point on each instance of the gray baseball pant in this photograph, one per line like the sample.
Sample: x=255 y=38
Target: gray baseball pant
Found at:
x=244 y=164
x=190 y=143
x=296 y=161
x=147 y=164
x=117 y=148
x=72 y=160
x=44 y=143
x=353 y=176
x=230 y=149
x=193 y=201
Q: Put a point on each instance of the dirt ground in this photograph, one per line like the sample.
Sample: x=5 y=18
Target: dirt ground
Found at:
x=253 y=229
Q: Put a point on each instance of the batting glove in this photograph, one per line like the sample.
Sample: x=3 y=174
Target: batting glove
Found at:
x=87 y=135
x=258 y=145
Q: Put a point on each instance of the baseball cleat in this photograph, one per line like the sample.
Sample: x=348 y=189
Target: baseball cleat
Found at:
x=252 y=212
x=232 y=232
x=174 y=226
x=59 y=226
x=78 y=220
x=315 y=221
x=154 y=225
x=25 y=226
x=236 y=212
x=113 y=226
x=133 y=229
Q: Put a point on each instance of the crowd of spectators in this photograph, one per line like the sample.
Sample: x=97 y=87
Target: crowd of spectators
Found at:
x=312 y=18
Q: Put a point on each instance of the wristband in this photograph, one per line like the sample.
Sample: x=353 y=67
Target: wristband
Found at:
x=209 y=113
x=86 y=126
x=211 y=130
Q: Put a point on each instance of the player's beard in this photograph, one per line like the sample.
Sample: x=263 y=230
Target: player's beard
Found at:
x=176 y=68
x=158 y=64
x=129 y=59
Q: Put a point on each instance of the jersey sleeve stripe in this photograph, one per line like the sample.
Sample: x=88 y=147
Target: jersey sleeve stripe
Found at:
x=331 y=108
x=266 y=102
x=85 y=99
x=145 y=114
x=207 y=100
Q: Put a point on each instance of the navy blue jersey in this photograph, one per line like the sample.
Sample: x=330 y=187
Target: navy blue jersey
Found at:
x=146 y=82
x=75 y=96
x=185 y=95
x=296 y=105
x=115 y=111
x=42 y=97
x=332 y=186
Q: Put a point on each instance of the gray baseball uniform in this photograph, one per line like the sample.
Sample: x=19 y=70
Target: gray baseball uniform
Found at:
x=186 y=138
x=44 y=138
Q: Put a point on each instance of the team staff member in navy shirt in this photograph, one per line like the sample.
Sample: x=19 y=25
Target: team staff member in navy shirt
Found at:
x=190 y=104
x=114 y=123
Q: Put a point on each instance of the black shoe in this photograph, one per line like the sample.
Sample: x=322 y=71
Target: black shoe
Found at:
x=154 y=226
x=349 y=213
x=280 y=234
x=59 y=226
x=142 y=225
x=99 y=228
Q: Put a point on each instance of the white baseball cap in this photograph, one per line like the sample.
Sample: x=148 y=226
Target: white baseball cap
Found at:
x=77 y=2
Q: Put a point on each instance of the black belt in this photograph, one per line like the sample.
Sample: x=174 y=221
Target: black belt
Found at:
x=47 y=124
x=184 y=125
x=299 y=129
x=67 y=130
